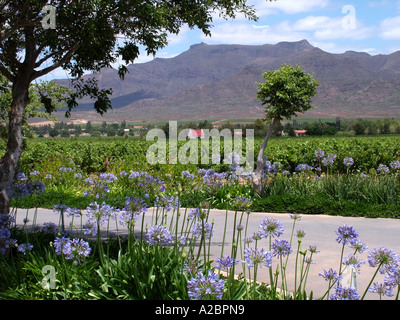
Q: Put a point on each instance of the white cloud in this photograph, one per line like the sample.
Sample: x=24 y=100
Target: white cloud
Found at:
x=289 y=6
x=243 y=33
x=390 y=28
x=328 y=28
x=312 y=23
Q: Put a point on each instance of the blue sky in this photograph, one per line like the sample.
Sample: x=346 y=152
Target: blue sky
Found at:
x=333 y=25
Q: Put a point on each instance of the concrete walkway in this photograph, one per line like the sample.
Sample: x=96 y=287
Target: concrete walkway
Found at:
x=319 y=231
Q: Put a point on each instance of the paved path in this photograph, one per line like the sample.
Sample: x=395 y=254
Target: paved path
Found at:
x=320 y=231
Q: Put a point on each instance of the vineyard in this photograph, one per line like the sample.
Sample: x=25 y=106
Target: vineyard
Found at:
x=296 y=177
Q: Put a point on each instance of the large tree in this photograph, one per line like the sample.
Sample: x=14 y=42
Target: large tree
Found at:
x=39 y=36
x=285 y=93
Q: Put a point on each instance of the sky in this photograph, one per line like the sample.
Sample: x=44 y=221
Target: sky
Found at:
x=334 y=26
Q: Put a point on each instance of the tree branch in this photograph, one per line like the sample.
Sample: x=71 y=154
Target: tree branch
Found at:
x=5 y=72
x=56 y=65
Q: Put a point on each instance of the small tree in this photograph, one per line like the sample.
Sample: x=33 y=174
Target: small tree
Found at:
x=284 y=93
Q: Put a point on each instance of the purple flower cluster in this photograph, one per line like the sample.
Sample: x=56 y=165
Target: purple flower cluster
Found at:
x=344 y=293
x=348 y=161
x=203 y=227
x=242 y=203
x=257 y=258
x=281 y=248
x=186 y=174
x=159 y=235
x=134 y=207
x=329 y=160
x=211 y=178
x=201 y=287
x=303 y=167
x=330 y=275
x=386 y=259
x=347 y=235
x=167 y=202
x=6 y=242
x=100 y=214
x=270 y=227
x=382 y=168
x=225 y=262
x=24 y=188
x=75 y=249
x=395 y=164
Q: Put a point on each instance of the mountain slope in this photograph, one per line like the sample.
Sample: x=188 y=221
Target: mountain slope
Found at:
x=219 y=82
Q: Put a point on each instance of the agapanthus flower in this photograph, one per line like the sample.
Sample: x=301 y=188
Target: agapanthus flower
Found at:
x=327 y=161
x=75 y=249
x=59 y=208
x=242 y=203
x=49 y=227
x=134 y=207
x=348 y=161
x=295 y=216
x=167 y=203
x=36 y=187
x=90 y=228
x=395 y=164
x=319 y=153
x=6 y=241
x=203 y=227
x=73 y=212
x=225 y=262
x=257 y=258
x=382 y=168
x=78 y=175
x=270 y=227
x=24 y=247
x=20 y=176
x=330 y=275
x=194 y=213
x=302 y=167
x=392 y=277
x=386 y=259
x=187 y=175
x=281 y=247
x=101 y=214
x=359 y=246
x=108 y=177
x=383 y=289
x=353 y=261
x=344 y=293
x=159 y=235
x=134 y=174
x=346 y=235
x=6 y=220
x=202 y=287
x=300 y=233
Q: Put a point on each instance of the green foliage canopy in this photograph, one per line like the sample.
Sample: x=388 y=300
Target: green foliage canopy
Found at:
x=286 y=91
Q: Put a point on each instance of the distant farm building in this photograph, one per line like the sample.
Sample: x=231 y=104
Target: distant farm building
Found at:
x=194 y=134
x=300 y=133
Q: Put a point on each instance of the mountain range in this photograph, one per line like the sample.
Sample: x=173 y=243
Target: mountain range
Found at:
x=219 y=82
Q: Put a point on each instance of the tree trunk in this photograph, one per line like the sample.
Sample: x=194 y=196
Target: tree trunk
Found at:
x=9 y=161
x=257 y=174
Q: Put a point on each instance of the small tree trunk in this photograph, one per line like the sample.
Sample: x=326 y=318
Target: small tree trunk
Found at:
x=257 y=174
x=9 y=161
